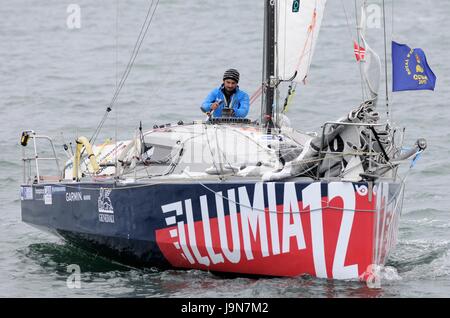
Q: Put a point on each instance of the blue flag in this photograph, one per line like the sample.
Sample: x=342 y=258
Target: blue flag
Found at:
x=410 y=70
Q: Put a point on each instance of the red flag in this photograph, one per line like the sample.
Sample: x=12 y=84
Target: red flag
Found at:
x=360 y=52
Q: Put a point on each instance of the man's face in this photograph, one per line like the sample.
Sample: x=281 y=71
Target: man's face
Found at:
x=230 y=85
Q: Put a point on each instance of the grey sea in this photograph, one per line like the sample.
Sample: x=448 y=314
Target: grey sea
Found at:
x=57 y=78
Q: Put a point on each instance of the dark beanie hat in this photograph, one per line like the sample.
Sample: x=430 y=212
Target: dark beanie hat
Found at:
x=231 y=74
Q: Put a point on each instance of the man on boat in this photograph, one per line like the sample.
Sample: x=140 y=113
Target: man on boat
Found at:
x=227 y=100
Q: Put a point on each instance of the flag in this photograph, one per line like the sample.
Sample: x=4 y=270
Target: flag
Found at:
x=360 y=52
x=410 y=70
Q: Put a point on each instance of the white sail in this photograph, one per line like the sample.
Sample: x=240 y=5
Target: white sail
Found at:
x=298 y=25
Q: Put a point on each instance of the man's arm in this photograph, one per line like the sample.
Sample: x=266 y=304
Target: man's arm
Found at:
x=209 y=100
x=244 y=102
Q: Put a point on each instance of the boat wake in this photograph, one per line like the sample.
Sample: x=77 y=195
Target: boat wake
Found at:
x=57 y=257
x=421 y=258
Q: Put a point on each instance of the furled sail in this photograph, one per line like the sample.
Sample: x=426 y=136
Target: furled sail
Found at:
x=298 y=25
x=371 y=63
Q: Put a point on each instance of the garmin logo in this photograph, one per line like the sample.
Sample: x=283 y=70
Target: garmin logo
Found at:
x=74 y=196
x=73 y=20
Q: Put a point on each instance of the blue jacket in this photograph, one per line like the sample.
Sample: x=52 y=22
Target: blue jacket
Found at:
x=240 y=102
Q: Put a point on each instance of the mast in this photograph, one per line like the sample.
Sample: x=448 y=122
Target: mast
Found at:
x=268 y=64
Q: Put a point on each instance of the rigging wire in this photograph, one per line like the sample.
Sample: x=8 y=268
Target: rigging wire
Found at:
x=117 y=77
x=392 y=17
x=352 y=38
x=392 y=37
x=385 y=63
x=143 y=32
x=325 y=203
x=359 y=45
x=211 y=150
x=224 y=156
x=348 y=22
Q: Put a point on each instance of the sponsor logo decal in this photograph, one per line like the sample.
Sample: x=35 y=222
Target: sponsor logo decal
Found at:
x=77 y=196
x=74 y=196
x=254 y=229
x=26 y=193
x=56 y=189
x=362 y=190
x=48 y=195
x=105 y=207
x=39 y=194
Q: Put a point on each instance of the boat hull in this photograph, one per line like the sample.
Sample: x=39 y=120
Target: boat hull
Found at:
x=326 y=229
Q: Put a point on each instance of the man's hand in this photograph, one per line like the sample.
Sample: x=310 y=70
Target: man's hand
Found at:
x=214 y=106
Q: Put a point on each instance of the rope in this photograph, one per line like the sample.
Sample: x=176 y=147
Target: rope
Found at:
x=310 y=31
x=312 y=28
x=256 y=95
x=289 y=97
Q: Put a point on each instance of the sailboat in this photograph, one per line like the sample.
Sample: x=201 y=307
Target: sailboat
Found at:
x=233 y=194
